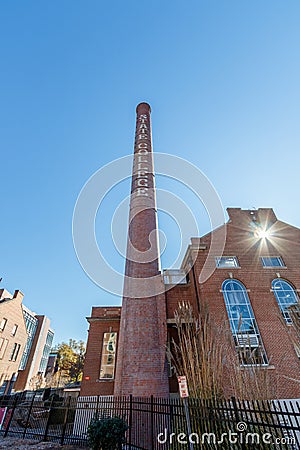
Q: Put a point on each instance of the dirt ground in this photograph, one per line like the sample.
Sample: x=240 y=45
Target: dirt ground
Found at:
x=22 y=444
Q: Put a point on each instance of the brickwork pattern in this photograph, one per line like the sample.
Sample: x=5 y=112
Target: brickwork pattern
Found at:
x=102 y=320
x=141 y=362
x=284 y=365
x=11 y=309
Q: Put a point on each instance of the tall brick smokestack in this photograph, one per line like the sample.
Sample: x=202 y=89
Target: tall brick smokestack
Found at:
x=141 y=363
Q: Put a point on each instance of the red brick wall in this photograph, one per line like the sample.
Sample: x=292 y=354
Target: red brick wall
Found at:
x=102 y=320
x=240 y=242
x=141 y=364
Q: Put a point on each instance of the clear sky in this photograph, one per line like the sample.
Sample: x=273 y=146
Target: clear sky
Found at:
x=222 y=78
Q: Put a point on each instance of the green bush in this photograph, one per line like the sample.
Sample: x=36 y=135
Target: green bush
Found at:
x=107 y=433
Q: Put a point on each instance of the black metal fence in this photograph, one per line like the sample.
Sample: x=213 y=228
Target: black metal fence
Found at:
x=158 y=424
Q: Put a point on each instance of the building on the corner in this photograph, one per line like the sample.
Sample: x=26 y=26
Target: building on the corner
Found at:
x=25 y=343
x=13 y=338
x=33 y=364
x=253 y=282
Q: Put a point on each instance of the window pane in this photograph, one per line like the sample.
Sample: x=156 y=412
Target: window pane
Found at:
x=243 y=325
x=175 y=276
x=3 y=323
x=3 y=348
x=46 y=351
x=272 y=261
x=108 y=356
x=236 y=298
x=31 y=326
x=224 y=262
x=286 y=296
x=240 y=311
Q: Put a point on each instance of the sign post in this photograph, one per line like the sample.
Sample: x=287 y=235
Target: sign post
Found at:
x=184 y=393
x=2 y=416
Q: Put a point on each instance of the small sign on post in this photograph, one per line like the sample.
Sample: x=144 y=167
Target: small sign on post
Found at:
x=2 y=416
x=184 y=393
x=183 y=388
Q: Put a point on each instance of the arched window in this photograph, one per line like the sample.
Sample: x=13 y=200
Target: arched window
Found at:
x=243 y=324
x=285 y=295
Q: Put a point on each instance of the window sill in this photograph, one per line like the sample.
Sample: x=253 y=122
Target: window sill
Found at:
x=101 y=380
x=263 y=366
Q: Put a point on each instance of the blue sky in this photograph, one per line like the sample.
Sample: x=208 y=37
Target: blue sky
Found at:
x=222 y=78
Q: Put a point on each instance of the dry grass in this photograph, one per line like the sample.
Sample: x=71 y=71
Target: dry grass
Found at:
x=294 y=311
x=198 y=353
x=251 y=382
x=206 y=355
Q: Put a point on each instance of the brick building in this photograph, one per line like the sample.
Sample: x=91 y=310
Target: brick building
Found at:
x=34 y=361
x=13 y=338
x=25 y=344
x=252 y=284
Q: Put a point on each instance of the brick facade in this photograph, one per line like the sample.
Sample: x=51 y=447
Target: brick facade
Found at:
x=146 y=321
x=31 y=377
x=13 y=335
x=141 y=364
x=284 y=364
x=102 y=320
x=15 y=343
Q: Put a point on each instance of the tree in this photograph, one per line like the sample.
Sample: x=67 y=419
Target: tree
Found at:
x=36 y=382
x=70 y=361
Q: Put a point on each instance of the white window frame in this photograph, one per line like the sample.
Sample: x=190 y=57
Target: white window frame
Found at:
x=264 y=259
x=106 y=353
x=284 y=306
x=15 y=352
x=3 y=324
x=243 y=340
x=3 y=347
x=221 y=262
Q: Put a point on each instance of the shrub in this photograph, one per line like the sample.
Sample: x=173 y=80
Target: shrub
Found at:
x=107 y=433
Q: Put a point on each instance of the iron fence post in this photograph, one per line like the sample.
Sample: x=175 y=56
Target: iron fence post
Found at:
x=48 y=420
x=152 y=421
x=237 y=418
x=130 y=419
x=11 y=416
x=65 y=421
x=28 y=416
x=188 y=422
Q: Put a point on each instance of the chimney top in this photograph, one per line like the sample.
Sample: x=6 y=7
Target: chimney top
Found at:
x=143 y=108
